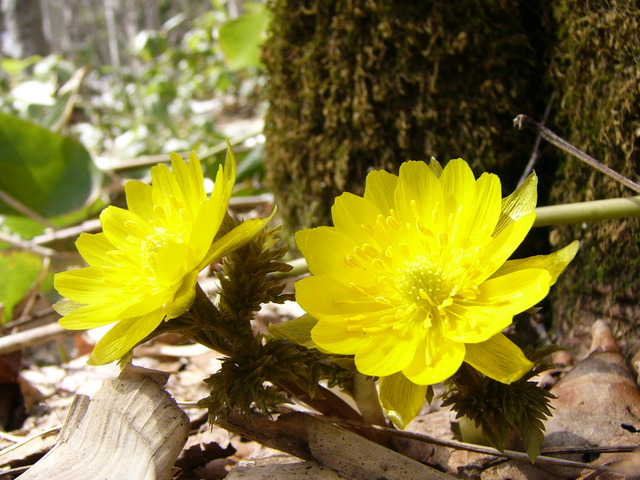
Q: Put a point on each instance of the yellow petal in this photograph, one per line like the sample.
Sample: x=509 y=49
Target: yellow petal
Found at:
x=123 y=337
x=139 y=199
x=142 y=305
x=458 y=183
x=184 y=296
x=85 y=285
x=91 y=316
x=472 y=324
x=419 y=194
x=554 y=263
x=436 y=359
x=170 y=264
x=515 y=291
x=478 y=212
x=400 y=398
x=502 y=246
x=196 y=180
x=379 y=189
x=332 y=335
x=94 y=248
x=498 y=358
x=385 y=354
x=223 y=186
x=166 y=192
x=234 y=239
x=313 y=242
x=352 y=215
x=520 y=203
x=499 y=300
x=205 y=228
x=119 y=225
x=321 y=295
x=190 y=180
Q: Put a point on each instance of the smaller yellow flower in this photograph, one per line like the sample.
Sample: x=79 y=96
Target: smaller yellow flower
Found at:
x=413 y=278
x=144 y=265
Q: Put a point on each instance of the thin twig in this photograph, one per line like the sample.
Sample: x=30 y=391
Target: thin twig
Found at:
x=44 y=433
x=144 y=161
x=23 y=320
x=535 y=154
x=20 y=340
x=524 y=121
x=63 y=233
x=26 y=245
x=23 y=209
x=519 y=456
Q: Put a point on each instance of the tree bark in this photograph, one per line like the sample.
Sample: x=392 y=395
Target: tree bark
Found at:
x=596 y=69
x=359 y=84
x=23 y=28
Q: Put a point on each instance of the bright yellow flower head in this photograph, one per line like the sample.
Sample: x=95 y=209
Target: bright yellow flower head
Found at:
x=413 y=278
x=143 y=266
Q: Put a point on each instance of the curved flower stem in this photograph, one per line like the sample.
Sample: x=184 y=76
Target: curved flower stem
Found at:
x=327 y=402
x=215 y=335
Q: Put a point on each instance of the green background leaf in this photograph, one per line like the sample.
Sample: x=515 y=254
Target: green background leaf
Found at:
x=241 y=37
x=49 y=173
x=18 y=272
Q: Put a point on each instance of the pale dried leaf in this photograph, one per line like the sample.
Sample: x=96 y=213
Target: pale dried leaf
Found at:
x=131 y=429
x=357 y=458
x=282 y=471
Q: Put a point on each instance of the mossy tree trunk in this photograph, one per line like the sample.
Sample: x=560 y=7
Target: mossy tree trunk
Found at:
x=362 y=84
x=596 y=70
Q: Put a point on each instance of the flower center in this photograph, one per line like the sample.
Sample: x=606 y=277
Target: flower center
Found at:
x=150 y=245
x=425 y=284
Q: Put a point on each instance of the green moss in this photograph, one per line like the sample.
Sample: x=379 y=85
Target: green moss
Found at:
x=596 y=69
x=356 y=85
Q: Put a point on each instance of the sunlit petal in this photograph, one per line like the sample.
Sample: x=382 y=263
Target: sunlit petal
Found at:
x=401 y=399
x=419 y=194
x=321 y=260
x=554 y=263
x=380 y=188
x=332 y=334
x=520 y=203
x=125 y=335
x=139 y=199
x=386 y=354
x=352 y=215
x=498 y=358
x=436 y=359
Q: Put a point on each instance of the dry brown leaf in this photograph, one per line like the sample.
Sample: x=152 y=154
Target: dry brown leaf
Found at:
x=598 y=403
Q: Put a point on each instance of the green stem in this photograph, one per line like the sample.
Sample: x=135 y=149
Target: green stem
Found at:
x=587 y=211
x=217 y=336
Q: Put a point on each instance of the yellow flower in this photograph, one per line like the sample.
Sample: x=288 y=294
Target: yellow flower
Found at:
x=144 y=265
x=413 y=278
